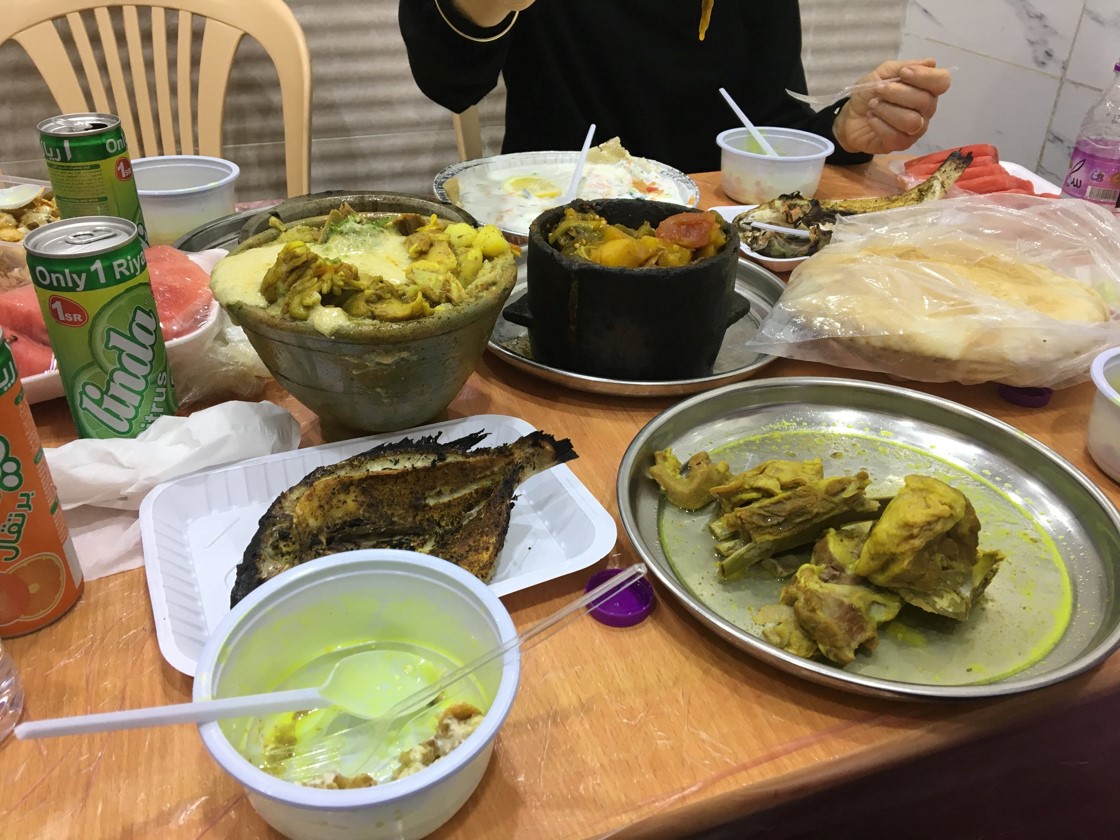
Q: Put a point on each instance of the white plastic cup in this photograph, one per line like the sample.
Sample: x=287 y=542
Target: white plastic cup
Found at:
x=755 y=178
x=1104 y=416
x=178 y=193
x=344 y=599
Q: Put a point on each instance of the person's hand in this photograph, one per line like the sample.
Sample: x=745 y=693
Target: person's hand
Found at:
x=892 y=116
x=489 y=13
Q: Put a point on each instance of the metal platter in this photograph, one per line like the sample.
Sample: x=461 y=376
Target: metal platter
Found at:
x=510 y=342
x=219 y=233
x=1050 y=613
x=483 y=179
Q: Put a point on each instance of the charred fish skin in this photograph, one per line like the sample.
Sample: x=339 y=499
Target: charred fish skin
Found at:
x=795 y=211
x=450 y=500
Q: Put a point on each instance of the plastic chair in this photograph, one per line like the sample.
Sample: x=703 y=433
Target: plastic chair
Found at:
x=170 y=127
x=468 y=133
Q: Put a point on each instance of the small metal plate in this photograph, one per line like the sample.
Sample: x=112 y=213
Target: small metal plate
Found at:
x=510 y=342
x=1050 y=612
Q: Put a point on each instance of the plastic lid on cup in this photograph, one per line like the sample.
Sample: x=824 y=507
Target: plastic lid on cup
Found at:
x=626 y=607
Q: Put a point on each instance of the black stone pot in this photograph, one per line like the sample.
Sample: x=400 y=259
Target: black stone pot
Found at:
x=648 y=324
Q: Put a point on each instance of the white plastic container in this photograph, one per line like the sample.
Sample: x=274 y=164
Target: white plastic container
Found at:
x=341 y=600
x=1104 y=417
x=754 y=177
x=181 y=192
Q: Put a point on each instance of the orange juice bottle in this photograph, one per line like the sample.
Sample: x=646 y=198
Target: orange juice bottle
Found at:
x=40 y=578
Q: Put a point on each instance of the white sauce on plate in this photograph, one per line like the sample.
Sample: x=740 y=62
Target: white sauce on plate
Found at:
x=512 y=196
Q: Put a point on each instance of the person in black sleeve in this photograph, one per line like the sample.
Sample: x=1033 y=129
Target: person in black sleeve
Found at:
x=638 y=69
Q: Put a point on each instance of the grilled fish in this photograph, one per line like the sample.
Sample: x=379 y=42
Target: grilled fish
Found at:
x=818 y=215
x=449 y=500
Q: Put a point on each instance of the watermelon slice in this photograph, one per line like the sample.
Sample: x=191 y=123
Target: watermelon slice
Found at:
x=30 y=356
x=181 y=289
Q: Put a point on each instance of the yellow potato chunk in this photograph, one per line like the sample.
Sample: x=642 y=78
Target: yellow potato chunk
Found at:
x=491 y=242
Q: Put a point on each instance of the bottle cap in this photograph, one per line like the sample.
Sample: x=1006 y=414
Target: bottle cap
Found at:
x=626 y=607
x=1028 y=397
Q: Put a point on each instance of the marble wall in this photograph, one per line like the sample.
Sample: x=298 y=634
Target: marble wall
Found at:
x=1028 y=72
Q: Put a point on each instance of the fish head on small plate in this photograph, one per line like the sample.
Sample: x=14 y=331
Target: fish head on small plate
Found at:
x=778 y=265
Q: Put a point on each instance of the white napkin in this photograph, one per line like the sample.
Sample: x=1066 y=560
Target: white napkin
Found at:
x=97 y=478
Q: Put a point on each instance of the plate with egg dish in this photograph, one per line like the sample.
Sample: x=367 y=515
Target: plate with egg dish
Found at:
x=513 y=189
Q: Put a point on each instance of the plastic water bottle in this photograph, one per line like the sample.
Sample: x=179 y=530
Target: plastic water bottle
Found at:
x=11 y=693
x=1094 y=167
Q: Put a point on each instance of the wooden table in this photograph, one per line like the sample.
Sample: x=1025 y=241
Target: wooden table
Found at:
x=655 y=730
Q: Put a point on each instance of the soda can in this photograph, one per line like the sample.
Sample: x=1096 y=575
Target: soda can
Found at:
x=90 y=171
x=91 y=278
x=40 y=578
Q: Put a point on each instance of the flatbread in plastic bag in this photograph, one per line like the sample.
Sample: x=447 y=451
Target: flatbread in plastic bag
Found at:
x=1003 y=288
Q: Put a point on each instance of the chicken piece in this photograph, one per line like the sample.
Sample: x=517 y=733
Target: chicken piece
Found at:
x=767 y=479
x=780 y=627
x=925 y=548
x=687 y=487
x=839 y=548
x=838 y=611
x=803 y=507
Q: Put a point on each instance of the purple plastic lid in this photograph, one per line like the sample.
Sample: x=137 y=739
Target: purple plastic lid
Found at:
x=1029 y=397
x=625 y=607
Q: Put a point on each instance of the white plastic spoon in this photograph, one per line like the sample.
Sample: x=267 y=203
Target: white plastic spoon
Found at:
x=755 y=133
x=348 y=687
x=573 y=186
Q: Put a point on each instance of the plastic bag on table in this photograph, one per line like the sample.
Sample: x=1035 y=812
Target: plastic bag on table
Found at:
x=1002 y=288
x=222 y=365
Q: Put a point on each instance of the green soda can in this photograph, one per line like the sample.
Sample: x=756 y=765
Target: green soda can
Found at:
x=90 y=171
x=91 y=278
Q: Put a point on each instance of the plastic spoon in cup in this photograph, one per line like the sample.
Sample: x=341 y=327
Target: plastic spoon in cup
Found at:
x=573 y=186
x=348 y=687
x=755 y=133
x=312 y=763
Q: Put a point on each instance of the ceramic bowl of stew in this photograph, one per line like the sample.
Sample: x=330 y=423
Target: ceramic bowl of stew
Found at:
x=639 y=324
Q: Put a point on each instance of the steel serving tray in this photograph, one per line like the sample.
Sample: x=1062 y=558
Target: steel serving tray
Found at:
x=1050 y=613
x=510 y=342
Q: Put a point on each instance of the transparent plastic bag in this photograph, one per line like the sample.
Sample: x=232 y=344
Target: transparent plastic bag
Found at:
x=1013 y=289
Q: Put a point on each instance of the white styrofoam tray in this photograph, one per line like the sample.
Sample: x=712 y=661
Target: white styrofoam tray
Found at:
x=195 y=528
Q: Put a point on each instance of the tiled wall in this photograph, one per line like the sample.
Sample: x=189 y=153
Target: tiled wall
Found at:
x=1028 y=71
x=372 y=128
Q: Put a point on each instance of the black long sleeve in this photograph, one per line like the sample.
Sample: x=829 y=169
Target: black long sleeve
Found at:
x=636 y=68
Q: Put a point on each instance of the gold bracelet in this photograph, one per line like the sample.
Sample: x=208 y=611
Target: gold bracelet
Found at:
x=463 y=34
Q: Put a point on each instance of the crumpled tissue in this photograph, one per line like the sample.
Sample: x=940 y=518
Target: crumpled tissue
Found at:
x=102 y=482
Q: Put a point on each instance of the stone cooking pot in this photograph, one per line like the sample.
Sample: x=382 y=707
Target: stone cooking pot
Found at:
x=646 y=324
x=372 y=376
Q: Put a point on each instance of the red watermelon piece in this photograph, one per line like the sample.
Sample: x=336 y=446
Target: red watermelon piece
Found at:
x=181 y=289
x=20 y=311
x=31 y=356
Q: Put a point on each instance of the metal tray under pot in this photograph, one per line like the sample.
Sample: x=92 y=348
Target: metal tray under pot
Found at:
x=623 y=323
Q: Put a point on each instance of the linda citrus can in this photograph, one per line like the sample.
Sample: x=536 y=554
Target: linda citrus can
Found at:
x=91 y=279
x=40 y=578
